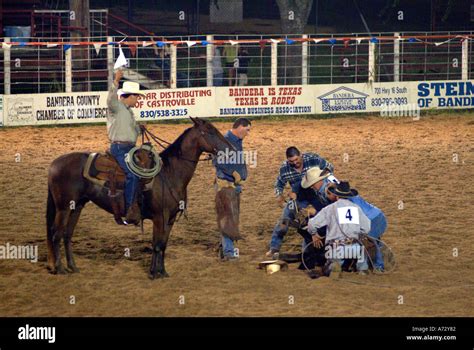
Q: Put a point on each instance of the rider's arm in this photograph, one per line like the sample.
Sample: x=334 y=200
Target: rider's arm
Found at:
x=112 y=98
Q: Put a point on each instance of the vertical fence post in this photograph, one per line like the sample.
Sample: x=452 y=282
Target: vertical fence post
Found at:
x=304 y=61
x=209 y=55
x=464 y=59
x=371 y=62
x=68 y=68
x=7 y=67
x=396 y=58
x=174 y=66
x=110 y=62
x=274 y=61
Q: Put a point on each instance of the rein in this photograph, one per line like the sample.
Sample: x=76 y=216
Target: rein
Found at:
x=148 y=134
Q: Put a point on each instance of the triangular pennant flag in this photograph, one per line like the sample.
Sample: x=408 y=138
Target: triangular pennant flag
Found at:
x=232 y=42
x=412 y=40
x=441 y=43
x=146 y=43
x=204 y=43
x=359 y=40
x=66 y=47
x=97 y=47
x=289 y=41
x=262 y=44
x=121 y=60
x=317 y=40
x=275 y=41
x=6 y=46
x=190 y=43
x=346 y=42
x=374 y=40
x=51 y=45
x=332 y=41
x=160 y=44
x=22 y=43
x=133 y=49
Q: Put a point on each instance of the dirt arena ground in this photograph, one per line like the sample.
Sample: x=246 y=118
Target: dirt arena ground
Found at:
x=390 y=160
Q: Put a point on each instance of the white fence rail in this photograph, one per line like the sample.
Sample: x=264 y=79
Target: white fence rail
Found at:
x=33 y=65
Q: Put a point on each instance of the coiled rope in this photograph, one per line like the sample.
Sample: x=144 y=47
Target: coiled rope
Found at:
x=145 y=173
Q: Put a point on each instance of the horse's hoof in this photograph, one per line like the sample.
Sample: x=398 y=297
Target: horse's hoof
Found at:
x=73 y=269
x=59 y=271
x=154 y=276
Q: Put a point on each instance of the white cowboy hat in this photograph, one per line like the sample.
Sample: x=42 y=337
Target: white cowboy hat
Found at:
x=314 y=175
x=130 y=87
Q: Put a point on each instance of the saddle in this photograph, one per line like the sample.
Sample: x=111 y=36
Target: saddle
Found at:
x=103 y=170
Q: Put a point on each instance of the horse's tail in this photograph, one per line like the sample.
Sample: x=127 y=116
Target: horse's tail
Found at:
x=50 y=215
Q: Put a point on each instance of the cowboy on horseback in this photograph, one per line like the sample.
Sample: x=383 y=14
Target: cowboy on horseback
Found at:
x=123 y=131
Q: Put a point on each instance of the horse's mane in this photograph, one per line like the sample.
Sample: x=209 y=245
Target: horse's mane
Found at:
x=174 y=150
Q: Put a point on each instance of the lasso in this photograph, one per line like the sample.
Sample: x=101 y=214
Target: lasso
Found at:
x=139 y=171
x=366 y=252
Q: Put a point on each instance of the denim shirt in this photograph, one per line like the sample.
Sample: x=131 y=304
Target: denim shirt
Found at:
x=370 y=210
x=226 y=164
x=375 y=215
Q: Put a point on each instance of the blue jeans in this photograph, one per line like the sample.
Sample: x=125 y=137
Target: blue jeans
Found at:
x=228 y=246
x=119 y=151
x=281 y=228
x=378 y=225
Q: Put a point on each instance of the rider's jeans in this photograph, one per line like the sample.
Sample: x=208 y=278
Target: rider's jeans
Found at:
x=119 y=151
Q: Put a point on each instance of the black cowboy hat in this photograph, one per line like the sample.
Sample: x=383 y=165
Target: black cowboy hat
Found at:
x=343 y=190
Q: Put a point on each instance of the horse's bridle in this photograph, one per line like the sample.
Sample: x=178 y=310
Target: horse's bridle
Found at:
x=148 y=134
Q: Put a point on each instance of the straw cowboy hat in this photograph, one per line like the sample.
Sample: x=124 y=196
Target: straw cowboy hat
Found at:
x=343 y=190
x=130 y=87
x=314 y=175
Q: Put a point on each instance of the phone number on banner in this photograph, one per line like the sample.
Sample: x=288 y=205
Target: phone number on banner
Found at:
x=387 y=101
x=164 y=113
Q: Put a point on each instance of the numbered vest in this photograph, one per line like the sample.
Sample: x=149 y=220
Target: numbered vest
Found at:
x=348 y=215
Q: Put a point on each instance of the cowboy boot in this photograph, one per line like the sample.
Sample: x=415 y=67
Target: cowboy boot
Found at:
x=133 y=216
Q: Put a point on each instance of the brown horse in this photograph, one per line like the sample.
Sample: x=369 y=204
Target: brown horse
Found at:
x=162 y=203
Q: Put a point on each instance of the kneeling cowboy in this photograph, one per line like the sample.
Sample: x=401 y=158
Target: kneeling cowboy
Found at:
x=345 y=222
x=123 y=131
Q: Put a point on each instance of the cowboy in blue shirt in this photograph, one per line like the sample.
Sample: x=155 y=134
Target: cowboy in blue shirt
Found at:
x=292 y=171
x=231 y=170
